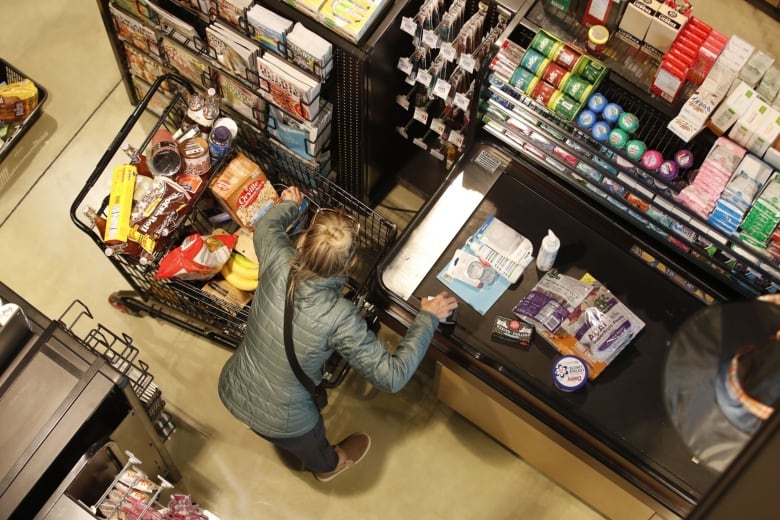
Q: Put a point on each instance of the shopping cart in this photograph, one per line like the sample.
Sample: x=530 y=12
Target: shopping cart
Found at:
x=184 y=303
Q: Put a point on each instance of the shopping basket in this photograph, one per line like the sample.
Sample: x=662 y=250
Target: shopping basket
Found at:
x=9 y=74
x=184 y=303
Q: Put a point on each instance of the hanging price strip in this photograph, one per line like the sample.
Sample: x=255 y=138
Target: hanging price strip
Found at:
x=437 y=125
x=467 y=62
x=462 y=101
x=424 y=78
x=448 y=52
x=421 y=115
x=408 y=25
x=430 y=38
x=442 y=89
x=456 y=138
x=405 y=65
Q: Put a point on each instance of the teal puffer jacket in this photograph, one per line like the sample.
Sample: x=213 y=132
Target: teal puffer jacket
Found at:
x=257 y=384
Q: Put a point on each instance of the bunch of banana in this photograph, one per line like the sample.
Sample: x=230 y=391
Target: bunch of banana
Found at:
x=241 y=272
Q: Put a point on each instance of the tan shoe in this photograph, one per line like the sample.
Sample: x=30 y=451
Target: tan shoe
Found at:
x=351 y=451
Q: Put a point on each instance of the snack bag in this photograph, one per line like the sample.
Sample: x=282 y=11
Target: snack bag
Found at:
x=197 y=258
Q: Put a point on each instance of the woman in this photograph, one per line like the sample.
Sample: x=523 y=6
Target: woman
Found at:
x=257 y=384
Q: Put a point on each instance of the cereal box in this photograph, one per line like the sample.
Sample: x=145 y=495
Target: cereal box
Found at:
x=244 y=191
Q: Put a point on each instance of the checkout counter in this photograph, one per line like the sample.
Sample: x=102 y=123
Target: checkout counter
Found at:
x=611 y=443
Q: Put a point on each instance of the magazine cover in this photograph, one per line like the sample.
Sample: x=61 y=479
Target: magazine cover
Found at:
x=580 y=318
x=186 y=63
x=351 y=18
x=279 y=87
x=159 y=101
x=142 y=65
x=240 y=98
x=306 y=138
x=132 y=30
x=270 y=29
x=309 y=51
x=232 y=11
x=173 y=25
x=235 y=53
x=309 y=7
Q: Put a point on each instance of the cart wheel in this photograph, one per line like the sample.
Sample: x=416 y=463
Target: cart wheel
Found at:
x=117 y=301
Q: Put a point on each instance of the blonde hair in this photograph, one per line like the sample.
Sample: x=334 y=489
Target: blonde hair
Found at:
x=327 y=247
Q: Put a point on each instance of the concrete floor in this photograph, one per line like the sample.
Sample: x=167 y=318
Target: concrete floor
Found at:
x=426 y=461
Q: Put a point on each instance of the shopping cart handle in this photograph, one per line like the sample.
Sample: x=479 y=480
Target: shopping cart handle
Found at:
x=121 y=138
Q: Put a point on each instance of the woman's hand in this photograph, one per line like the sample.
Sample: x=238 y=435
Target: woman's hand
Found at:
x=441 y=305
x=294 y=194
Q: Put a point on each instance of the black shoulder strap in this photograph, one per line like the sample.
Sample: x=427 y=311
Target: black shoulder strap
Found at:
x=288 y=343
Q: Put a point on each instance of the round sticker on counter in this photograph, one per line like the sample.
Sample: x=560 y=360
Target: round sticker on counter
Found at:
x=569 y=373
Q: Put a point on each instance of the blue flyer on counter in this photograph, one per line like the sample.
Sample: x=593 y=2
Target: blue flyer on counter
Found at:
x=474 y=281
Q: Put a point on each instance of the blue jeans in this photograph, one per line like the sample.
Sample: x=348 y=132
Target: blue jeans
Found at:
x=312 y=448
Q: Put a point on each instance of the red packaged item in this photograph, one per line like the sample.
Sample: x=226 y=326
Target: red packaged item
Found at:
x=197 y=258
x=669 y=78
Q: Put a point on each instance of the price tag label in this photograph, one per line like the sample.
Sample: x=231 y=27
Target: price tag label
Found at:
x=467 y=62
x=405 y=65
x=421 y=115
x=430 y=38
x=456 y=138
x=424 y=78
x=442 y=89
x=437 y=125
x=409 y=80
x=448 y=52
x=408 y=25
x=462 y=101
x=403 y=101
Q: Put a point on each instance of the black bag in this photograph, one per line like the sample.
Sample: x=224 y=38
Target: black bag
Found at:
x=318 y=393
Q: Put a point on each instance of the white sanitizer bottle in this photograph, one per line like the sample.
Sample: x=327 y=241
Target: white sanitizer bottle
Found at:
x=548 y=251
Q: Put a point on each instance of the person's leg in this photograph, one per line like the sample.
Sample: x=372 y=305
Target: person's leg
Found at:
x=312 y=448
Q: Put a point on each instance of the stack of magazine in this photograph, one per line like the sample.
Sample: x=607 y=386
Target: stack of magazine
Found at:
x=288 y=87
x=309 y=51
x=352 y=19
x=580 y=317
x=268 y=28
x=306 y=138
x=232 y=11
x=236 y=53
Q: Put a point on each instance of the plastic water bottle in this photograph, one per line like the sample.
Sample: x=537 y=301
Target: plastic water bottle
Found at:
x=548 y=251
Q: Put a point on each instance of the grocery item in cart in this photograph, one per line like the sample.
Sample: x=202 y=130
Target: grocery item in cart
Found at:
x=158 y=214
x=17 y=100
x=244 y=190
x=198 y=257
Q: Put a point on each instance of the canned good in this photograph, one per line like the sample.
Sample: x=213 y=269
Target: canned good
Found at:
x=597 y=102
x=684 y=158
x=668 y=170
x=567 y=57
x=566 y=107
x=555 y=74
x=618 y=138
x=534 y=61
x=543 y=92
x=577 y=88
x=651 y=160
x=166 y=159
x=628 y=122
x=600 y=131
x=521 y=78
x=531 y=86
x=586 y=119
x=611 y=113
x=545 y=44
x=635 y=149
x=589 y=69
x=598 y=35
x=195 y=154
